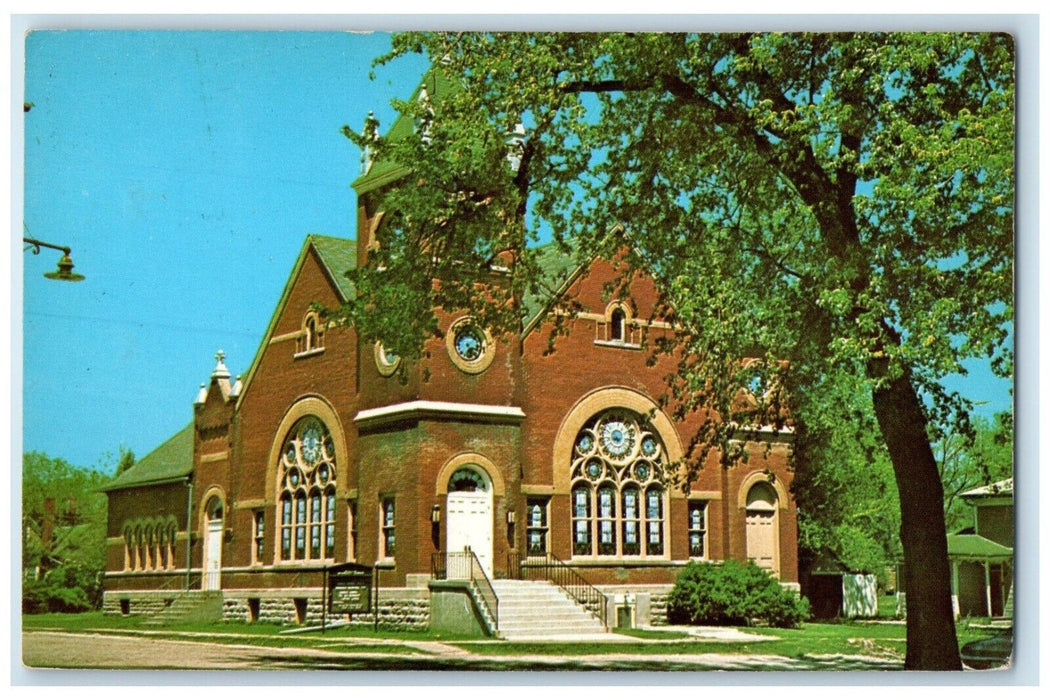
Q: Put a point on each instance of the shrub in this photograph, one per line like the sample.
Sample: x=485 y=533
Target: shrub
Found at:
x=732 y=593
x=70 y=587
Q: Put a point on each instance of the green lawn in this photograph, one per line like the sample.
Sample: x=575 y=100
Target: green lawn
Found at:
x=850 y=638
x=221 y=631
x=813 y=639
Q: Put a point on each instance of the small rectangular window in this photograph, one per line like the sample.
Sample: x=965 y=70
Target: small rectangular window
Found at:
x=386 y=516
x=698 y=529
x=258 y=528
x=536 y=526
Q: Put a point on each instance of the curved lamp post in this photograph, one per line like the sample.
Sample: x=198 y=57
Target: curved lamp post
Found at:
x=64 y=273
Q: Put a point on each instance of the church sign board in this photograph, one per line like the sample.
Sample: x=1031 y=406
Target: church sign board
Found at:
x=350 y=589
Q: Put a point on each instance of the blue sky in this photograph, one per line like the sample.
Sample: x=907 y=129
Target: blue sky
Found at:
x=185 y=169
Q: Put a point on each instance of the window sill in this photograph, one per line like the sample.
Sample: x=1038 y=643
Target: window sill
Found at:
x=623 y=345
x=619 y=561
x=307 y=353
x=386 y=564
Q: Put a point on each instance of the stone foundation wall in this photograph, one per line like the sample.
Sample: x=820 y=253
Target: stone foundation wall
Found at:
x=658 y=609
x=399 y=609
x=138 y=602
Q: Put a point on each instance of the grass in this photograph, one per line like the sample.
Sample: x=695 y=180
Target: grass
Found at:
x=221 y=631
x=813 y=639
x=861 y=638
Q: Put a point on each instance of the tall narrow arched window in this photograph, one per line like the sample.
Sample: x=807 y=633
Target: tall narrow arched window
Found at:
x=617 y=325
x=618 y=498
x=311 y=335
x=307 y=478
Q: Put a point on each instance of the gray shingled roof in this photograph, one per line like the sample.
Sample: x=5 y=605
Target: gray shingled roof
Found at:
x=338 y=255
x=556 y=266
x=172 y=461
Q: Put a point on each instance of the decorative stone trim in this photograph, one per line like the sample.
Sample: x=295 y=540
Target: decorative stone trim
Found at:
x=488 y=349
x=537 y=489
x=596 y=402
x=385 y=367
x=473 y=459
x=419 y=410
x=762 y=477
x=618 y=344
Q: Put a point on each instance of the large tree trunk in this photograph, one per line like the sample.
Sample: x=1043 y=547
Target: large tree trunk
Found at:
x=932 y=644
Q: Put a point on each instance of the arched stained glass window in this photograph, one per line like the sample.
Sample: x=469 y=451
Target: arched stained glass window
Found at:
x=618 y=493
x=307 y=478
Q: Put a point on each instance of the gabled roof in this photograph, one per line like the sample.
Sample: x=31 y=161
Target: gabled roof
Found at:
x=999 y=488
x=337 y=256
x=557 y=267
x=976 y=548
x=172 y=461
x=382 y=172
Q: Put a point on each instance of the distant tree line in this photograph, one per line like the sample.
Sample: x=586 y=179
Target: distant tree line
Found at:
x=64 y=532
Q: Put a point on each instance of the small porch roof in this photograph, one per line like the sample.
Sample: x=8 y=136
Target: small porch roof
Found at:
x=971 y=547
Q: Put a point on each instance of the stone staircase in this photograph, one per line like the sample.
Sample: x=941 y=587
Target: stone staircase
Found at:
x=539 y=609
x=189 y=606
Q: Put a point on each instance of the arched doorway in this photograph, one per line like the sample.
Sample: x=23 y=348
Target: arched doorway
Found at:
x=469 y=514
x=763 y=541
x=213 y=531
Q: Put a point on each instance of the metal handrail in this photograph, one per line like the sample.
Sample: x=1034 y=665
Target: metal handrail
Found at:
x=569 y=580
x=465 y=565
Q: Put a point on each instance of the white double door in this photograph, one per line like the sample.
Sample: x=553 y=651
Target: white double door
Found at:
x=469 y=523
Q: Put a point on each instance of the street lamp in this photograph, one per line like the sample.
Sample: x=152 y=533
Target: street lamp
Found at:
x=64 y=273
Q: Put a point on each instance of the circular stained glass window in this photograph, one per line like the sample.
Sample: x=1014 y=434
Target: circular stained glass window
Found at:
x=293 y=478
x=649 y=446
x=617 y=437
x=469 y=343
x=641 y=471
x=585 y=443
x=311 y=443
x=594 y=469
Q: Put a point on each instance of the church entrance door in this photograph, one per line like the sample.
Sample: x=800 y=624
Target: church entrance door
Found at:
x=213 y=532
x=470 y=525
x=213 y=553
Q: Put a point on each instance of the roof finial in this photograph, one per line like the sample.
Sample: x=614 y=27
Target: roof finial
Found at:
x=220 y=371
x=371 y=133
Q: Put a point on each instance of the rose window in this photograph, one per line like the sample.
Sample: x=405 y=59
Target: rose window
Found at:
x=618 y=493
x=307 y=475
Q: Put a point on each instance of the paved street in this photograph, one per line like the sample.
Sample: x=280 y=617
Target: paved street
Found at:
x=43 y=649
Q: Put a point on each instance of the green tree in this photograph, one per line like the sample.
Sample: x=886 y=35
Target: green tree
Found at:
x=126 y=460
x=843 y=486
x=63 y=534
x=841 y=202
x=967 y=461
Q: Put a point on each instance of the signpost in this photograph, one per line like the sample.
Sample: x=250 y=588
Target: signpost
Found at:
x=349 y=590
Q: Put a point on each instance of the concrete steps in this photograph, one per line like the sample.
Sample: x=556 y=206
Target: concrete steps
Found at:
x=539 y=610
x=190 y=606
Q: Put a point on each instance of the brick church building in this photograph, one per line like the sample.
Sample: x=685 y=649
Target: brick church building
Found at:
x=319 y=454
